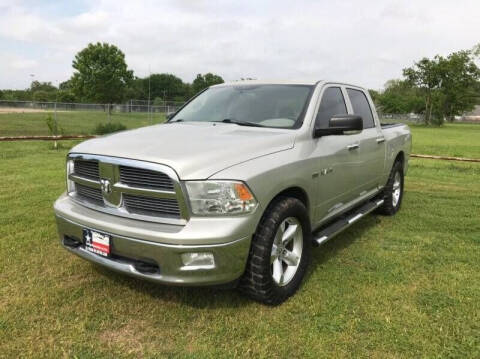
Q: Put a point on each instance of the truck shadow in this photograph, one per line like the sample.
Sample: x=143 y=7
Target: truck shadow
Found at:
x=323 y=254
x=215 y=297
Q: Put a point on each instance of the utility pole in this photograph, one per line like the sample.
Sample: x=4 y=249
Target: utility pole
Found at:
x=165 y=103
x=148 y=105
x=55 y=116
x=32 y=76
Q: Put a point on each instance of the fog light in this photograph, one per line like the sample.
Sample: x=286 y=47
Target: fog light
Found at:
x=193 y=261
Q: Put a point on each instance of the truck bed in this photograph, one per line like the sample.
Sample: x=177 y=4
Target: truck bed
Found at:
x=389 y=125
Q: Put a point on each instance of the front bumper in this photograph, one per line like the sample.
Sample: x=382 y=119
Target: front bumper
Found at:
x=136 y=242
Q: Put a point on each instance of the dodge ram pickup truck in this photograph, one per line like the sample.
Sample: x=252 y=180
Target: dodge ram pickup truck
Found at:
x=236 y=188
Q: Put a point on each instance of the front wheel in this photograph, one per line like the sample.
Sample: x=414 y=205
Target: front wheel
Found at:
x=279 y=253
x=393 y=192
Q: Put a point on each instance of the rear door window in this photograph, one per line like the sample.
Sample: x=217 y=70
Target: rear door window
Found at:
x=361 y=107
x=332 y=104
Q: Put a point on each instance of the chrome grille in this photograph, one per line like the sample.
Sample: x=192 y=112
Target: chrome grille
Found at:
x=89 y=193
x=88 y=169
x=140 y=177
x=128 y=188
x=148 y=205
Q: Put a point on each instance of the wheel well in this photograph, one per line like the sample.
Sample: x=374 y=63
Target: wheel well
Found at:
x=295 y=192
x=400 y=158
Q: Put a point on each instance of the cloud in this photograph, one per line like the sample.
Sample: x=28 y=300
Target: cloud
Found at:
x=23 y=64
x=365 y=43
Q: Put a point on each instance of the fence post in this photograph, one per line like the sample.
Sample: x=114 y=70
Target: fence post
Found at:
x=56 y=123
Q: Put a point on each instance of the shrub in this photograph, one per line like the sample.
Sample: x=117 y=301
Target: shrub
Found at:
x=110 y=127
x=54 y=129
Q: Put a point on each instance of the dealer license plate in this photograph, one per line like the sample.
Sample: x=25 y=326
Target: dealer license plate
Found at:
x=96 y=242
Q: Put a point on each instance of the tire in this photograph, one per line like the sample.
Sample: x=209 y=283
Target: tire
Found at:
x=272 y=253
x=393 y=192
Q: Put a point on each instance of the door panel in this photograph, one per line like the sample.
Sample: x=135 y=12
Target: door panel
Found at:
x=371 y=151
x=373 y=158
x=335 y=164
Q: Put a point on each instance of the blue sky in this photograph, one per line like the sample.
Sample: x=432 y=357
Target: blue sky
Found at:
x=359 y=42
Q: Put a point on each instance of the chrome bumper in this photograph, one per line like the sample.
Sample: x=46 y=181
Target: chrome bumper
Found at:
x=127 y=252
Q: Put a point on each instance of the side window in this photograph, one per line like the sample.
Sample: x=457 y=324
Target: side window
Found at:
x=332 y=104
x=361 y=107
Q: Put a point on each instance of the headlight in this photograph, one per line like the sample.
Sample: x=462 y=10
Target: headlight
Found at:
x=220 y=197
x=70 y=183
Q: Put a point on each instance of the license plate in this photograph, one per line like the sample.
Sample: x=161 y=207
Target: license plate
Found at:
x=96 y=242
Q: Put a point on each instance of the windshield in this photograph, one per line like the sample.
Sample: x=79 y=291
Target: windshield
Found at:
x=281 y=106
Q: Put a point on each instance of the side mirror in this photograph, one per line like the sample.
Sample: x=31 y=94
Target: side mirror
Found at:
x=339 y=124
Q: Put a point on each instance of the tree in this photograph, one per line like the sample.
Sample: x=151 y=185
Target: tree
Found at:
x=40 y=96
x=42 y=86
x=399 y=96
x=65 y=96
x=203 y=81
x=425 y=75
x=65 y=85
x=450 y=85
x=459 y=84
x=165 y=86
x=135 y=90
x=101 y=74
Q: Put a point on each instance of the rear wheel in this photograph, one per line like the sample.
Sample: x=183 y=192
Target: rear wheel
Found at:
x=393 y=192
x=279 y=253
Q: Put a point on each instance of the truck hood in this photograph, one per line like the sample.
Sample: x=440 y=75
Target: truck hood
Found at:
x=195 y=150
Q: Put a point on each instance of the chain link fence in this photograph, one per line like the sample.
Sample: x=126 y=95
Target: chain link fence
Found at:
x=401 y=117
x=30 y=118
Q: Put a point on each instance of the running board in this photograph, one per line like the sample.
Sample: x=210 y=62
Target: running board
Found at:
x=345 y=221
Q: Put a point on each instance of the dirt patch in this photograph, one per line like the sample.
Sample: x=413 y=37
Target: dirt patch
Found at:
x=21 y=110
x=129 y=337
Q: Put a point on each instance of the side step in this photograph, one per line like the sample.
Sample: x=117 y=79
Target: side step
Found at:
x=345 y=221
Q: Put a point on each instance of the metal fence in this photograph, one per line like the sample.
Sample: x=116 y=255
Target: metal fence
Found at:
x=401 y=117
x=31 y=118
x=130 y=106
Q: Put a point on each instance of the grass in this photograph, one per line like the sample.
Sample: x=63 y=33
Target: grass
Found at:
x=72 y=122
x=452 y=139
x=458 y=139
x=389 y=287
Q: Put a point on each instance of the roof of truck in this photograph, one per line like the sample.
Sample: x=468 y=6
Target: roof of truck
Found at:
x=281 y=82
x=266 y=82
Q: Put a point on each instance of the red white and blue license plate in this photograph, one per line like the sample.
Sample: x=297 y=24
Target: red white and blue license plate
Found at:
x=96 y=242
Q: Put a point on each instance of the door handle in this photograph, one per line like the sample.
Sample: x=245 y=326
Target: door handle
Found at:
x=353 y=146
x=380 y=140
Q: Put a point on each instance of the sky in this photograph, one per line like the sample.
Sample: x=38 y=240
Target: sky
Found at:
x=360 y=42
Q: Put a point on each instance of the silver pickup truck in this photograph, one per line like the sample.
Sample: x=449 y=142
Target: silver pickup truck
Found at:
x=236 y=187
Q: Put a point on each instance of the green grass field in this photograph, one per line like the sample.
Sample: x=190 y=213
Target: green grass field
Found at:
x=388 y=287
x=459 y=139
x=452 y=139
x=72 y=122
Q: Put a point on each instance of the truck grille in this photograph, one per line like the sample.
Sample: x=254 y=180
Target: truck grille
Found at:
x=128 y=188
x=88 y=169
x=146 y=205
x=139 y=177
x=89 y=193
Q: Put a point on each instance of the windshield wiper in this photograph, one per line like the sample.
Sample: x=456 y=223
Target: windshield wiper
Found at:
x=241 y=123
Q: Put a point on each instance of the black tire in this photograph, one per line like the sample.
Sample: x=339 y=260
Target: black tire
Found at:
x=257 y=282
x=391 y=206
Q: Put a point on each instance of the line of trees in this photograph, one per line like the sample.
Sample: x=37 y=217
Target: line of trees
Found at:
x=439 y=88
x=101 y=75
